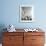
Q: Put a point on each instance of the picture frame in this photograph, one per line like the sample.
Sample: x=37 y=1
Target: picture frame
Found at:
x=26 y=13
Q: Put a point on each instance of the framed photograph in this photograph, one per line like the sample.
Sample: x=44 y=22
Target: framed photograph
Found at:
x=26 y=13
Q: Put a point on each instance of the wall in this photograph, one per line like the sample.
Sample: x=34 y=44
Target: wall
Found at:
x=10 y=13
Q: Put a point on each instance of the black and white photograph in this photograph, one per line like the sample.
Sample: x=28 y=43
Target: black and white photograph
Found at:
x=26 y=13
